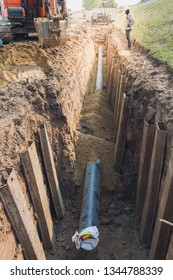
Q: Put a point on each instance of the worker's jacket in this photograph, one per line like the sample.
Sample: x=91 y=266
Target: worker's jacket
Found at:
x=129 y=21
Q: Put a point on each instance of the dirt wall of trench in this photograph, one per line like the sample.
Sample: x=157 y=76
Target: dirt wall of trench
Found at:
x=41 y=86
x=149 y=85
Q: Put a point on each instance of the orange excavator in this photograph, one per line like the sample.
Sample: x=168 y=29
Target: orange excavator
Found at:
x=46 y=17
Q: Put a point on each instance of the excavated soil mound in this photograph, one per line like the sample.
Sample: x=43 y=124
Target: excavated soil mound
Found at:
x=23 y=61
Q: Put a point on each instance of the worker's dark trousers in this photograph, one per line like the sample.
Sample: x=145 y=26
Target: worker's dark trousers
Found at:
x=128 y=37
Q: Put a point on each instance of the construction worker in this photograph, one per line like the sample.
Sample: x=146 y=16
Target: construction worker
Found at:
x=94 y=18
x=129 y=22
x=84 y=14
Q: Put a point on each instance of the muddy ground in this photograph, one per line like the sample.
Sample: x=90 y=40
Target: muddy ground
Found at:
x=56 y=86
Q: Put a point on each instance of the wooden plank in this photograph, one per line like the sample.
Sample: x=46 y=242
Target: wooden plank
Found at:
x=108 y=68
x=116 y=96
x=38 y=194
x=117 y=112
x=162 y=231
x=109 y=59
x=148 y=214
x=121 y=135
x=114 y=88
x=110 y=83
x=8 y=247
x=169 y=255
x=113 y=97
x=21 y=218
x=51 y=173
x=107 y=64
x=144 y=166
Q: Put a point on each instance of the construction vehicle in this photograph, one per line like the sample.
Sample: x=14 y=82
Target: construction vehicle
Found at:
x=46 y=17
x=105 y=13
x=99 y=16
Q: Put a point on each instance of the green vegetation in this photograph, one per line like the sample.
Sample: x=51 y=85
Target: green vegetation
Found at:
x=90 y=4
x=153 y=28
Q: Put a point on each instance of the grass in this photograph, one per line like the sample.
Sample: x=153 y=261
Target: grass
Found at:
x=153 y=28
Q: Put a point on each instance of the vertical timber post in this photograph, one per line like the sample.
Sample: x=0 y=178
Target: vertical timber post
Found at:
x=38 y=194
x=116 y=95
x=150 y=203
x=118 y=107
x=121 y=135
x=110 y=83
x=144 y=166
x=162 y=231
x=8 y=248
x=51 y=173
x=21 y=218
x=114 y=83
x=109 y=64
x=169 y=255
x=111 y=95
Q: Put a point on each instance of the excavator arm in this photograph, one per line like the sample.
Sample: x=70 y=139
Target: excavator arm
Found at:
x=52 y=29
x=46 y=17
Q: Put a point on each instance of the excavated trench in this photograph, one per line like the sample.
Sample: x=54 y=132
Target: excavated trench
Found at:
x=55 y=87
x=119 y=237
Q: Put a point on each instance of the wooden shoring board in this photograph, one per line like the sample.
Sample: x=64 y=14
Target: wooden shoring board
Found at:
x=150 y=204
x=38 y=192
x=8 y=247
x=144 y=166
x=169 y=255
x=107 y=56
x=51 y=173
x=162 y=231
x=107 y=65
x=119 y=104
x=121 y=135
x=107 y=40
x=115 y=72
x=110 y=85
x=116 y=95
x=109 y=59
x=21 y=218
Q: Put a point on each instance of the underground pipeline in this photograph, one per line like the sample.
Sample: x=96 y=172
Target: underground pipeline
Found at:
x=99 y=80
x=88 y=236
x=89 y=215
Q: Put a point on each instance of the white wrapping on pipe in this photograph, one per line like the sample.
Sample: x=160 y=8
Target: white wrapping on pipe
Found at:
x=87 y=239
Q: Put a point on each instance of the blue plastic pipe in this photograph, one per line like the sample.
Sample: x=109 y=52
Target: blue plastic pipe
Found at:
x=89 y=215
